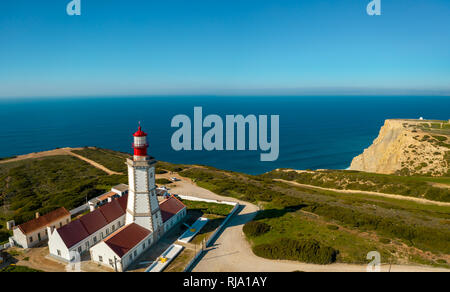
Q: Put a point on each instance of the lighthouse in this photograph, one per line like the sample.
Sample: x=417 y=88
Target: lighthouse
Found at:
x=142 y=205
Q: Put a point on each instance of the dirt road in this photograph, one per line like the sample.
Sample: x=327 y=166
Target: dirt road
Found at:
x=232 y=252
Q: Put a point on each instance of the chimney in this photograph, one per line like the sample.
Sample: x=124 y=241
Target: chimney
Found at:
x=37 y=215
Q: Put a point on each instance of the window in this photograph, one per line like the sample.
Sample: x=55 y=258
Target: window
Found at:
x=100 y=259
x=79 y=249
x=107 y=230
x=113 y=227
x=135 y=253
x=95 y=239
x=67 y=221
x=143 y=246
x=59 y=252
x=31 y=238
x=102 y=235
x=87 y=244
x=60 y=224
x=111 y=262
x=149 y=241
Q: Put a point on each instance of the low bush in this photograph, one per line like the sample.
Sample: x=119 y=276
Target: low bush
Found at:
x=255 y=228
x=18 y=269
x=309 y=251
x=163 y=181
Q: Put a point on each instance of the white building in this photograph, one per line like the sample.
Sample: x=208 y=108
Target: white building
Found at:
x=121 y=230
x=81 y=234
x=33 y=232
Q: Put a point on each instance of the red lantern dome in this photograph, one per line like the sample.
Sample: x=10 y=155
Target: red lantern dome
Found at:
x=140 y=133
x=140 y=144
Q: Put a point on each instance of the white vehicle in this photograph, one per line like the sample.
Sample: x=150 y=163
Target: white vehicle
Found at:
x=174 y=179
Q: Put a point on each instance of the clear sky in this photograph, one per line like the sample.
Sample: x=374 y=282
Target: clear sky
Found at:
x=223 y=47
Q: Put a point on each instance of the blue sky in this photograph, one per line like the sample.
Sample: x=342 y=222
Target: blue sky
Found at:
x=223 y=47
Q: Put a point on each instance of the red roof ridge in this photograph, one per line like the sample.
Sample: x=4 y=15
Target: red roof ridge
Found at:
x=77 y=230
x=43 y=220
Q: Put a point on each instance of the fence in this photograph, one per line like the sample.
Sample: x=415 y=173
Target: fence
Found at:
x=214 y=235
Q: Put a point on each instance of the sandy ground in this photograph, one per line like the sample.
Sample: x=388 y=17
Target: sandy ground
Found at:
x=392 y=196
x=232 y=253
x=61 y=151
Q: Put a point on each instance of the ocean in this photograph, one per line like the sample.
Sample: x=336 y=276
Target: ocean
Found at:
x=315 y=132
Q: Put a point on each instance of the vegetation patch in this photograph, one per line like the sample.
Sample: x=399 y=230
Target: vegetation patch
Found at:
x=309 y=251
x=208 y=208
x=163 y=181
x=44 y=184
x=18 y=269
x=112 y=160
x=255 y=228
x=355 y=180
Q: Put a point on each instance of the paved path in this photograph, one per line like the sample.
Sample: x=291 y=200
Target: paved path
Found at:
x=232 y=252
x=392 y=196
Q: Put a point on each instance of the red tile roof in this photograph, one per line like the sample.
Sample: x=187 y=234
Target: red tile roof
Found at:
x=93 y=221
x=72 y=233
x=44 y=220
x=112 y=211
x=90 y=223
x=170 y=207
x=124 y=239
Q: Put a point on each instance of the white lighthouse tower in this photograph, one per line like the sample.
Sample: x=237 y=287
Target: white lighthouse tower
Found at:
x=142 y=205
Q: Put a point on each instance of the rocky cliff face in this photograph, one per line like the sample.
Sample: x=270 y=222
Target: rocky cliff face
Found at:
x=408 y=147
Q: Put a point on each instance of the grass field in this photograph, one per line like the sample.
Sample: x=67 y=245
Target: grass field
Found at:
x=355 y=180
x=396 y=228
x=353 y=224
x=44 y=184
x=112 y=160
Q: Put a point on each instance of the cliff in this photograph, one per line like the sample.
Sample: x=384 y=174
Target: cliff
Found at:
x=408 y=147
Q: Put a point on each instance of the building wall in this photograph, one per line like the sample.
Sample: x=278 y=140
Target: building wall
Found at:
x=58 y=248
x=102 y=254
x=174 y=220
x=32 y=239
x=107 y=255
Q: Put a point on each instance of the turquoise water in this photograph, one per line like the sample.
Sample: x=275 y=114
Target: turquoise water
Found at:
x=315 y=132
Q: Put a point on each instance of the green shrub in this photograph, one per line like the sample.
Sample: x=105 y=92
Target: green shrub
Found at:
x=255 y=228
x=440 y=138
x=163 y=181
x=208 y=208
x=309 y=251
x=4 y=235
x=18 y=269
x=385 y=240
x=332 y=227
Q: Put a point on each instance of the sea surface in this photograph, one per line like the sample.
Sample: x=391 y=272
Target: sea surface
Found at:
x=315 y=132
